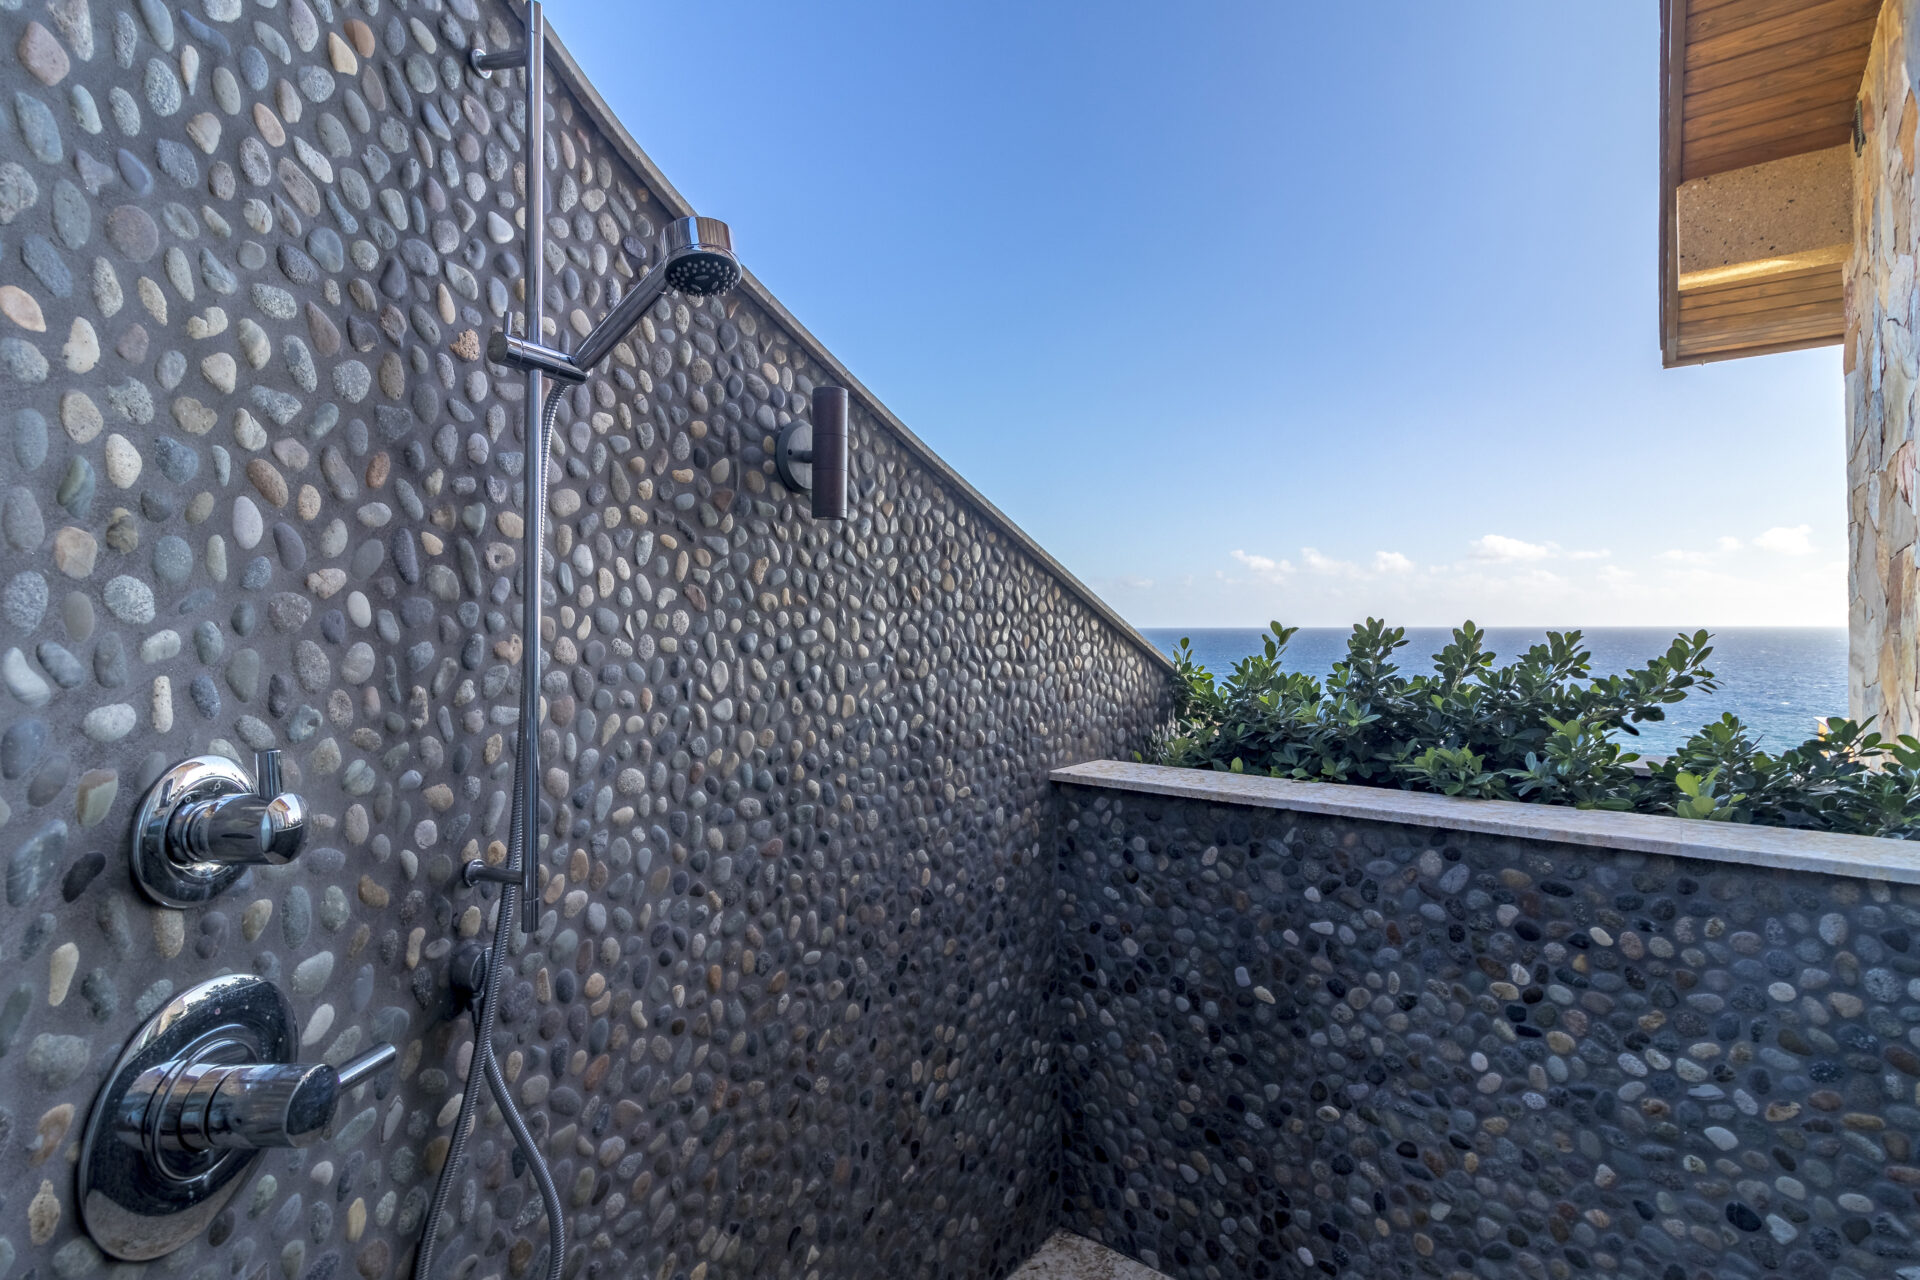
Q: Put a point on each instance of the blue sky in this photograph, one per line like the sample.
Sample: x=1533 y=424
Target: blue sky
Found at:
x=1251 y=311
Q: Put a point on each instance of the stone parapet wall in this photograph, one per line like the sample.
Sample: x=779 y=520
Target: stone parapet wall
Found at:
x=784 y=1010
x=1298 y=1044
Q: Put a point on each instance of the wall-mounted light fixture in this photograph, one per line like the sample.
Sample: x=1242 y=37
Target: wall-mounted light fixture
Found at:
x=817 y=464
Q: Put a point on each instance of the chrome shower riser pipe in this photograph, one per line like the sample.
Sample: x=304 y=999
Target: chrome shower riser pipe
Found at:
x=519 y=884
x=534 y=472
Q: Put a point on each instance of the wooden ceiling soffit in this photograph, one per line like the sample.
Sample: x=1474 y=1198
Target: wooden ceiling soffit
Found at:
x=1756 y=122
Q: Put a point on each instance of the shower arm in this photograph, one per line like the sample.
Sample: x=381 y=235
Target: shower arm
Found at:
x=528 y=354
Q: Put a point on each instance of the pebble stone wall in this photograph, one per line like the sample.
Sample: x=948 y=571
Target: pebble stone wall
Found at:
x=1296 y=1045
x=785 y=1009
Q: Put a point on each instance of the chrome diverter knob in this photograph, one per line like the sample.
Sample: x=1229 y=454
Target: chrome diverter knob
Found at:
x=205 y=821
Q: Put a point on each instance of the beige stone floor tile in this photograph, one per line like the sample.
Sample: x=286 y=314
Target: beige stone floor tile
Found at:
x=1070 y=1257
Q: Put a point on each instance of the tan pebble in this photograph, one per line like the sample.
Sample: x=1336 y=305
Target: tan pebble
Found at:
x=373 y=893
x=324 y=583
x=60 y=969
x=169 y=932
x=254 y=919
x=123 y=462
x=74 y=552
x=308 y=503
x=162 y=705
x=82 y=349
x=467 y=345
x=93 y=797
x=80 y=416
x=362 y=36
x=356 y=1219
x=43 y=1214
x=269 y=125
x=41 y=54
x=22 y=308
x=204 y=129
x=268 y=480
x=153 y=298
x=378 y=467
x=221 y=371
x=53 y=1126
x=341 y=54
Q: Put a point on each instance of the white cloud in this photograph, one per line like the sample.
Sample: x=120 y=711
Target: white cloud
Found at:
x=1265 y=566
x=1786 y=540
x=1785 y=576
x=1311 y=557
x=1496 y=546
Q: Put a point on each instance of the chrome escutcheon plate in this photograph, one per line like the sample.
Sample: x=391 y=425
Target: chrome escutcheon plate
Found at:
x=139 y=1202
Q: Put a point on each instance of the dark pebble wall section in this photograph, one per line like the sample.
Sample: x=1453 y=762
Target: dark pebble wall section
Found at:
x=785 y=1010
x=1297 y=1045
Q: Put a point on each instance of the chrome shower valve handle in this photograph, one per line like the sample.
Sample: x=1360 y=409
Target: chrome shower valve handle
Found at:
x=204 y=1106
x=197 y=1095
x=206 y=821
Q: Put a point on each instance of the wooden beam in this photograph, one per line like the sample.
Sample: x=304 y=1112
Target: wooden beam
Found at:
x=1824 y=300
x=1712 y=354
x=1810 y=322
x=1711 y=156
x=1767 y=110
x=1825 y=279
x=1835 y=42
x=1771 y=78
x=1794 y=23
x=1708 y=21
x=1673 y=83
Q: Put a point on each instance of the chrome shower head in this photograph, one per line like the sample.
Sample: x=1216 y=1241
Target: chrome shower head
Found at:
x=698 y=262
x=699 y=258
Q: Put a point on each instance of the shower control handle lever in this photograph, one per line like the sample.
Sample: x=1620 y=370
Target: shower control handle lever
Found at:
x=266 y=825
x=204 y=1106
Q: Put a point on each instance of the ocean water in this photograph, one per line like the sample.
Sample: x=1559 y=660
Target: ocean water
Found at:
x=1779 y=680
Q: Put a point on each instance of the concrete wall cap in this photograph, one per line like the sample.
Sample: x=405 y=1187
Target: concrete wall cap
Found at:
x=1865 y=857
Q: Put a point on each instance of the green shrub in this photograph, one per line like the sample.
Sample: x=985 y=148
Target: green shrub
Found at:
x=1542 y=728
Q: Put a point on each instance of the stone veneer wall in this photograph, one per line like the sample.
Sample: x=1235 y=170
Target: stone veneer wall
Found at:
x=1882 y=377
x=785 y=1010
x=1298 y=1044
